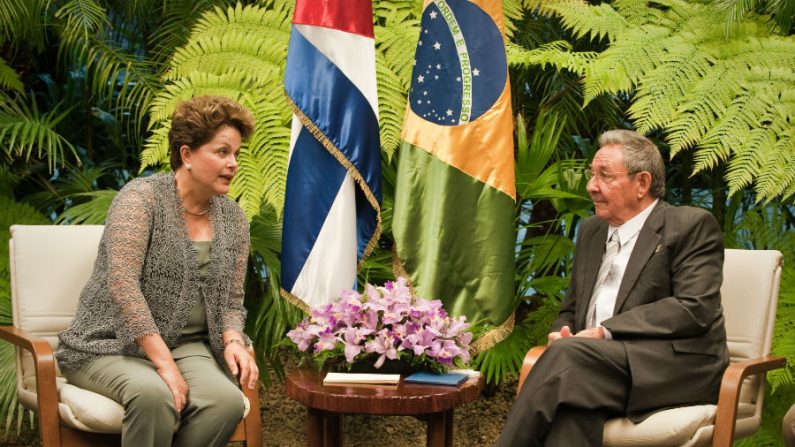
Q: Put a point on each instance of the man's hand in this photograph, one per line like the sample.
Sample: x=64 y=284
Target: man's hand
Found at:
x=565 y=331
x=594 y=332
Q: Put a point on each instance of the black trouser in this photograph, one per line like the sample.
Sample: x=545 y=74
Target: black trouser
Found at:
x=574 y=387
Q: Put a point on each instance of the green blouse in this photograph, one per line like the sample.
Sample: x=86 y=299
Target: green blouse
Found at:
x=196 y=328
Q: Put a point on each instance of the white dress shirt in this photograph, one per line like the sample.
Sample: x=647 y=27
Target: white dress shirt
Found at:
x=608 y=292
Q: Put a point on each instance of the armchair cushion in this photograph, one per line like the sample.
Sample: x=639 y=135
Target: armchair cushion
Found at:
x=88 y=411
x=667 y=428
x=662 y=429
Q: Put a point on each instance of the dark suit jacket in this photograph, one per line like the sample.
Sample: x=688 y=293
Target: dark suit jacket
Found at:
x=668 y=311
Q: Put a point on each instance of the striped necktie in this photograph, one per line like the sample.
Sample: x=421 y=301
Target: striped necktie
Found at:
x=611 y=250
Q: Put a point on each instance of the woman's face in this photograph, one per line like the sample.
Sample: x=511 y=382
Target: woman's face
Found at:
x=214 y=163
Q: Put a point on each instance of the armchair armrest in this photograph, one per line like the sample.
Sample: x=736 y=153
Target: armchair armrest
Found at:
x=733 y=377
x=252 y=424
x=529 y=361
x=46 y=392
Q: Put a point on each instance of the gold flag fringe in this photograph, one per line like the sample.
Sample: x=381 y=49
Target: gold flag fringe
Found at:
x=343 y=160
x=294 y=300
x=494 y=336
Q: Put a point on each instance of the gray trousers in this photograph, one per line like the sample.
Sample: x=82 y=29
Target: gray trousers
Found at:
x=214 y=408
x=576 y=385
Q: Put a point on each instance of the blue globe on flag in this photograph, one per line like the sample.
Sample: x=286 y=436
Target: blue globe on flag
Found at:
x=459 y=67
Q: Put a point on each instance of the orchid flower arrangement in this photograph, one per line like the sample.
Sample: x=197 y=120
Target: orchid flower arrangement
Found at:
x=384 y=323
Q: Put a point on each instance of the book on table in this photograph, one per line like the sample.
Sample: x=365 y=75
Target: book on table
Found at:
x=333 y=378
x=428 y=378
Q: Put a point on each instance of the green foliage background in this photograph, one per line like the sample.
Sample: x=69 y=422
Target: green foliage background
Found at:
x=87 y=88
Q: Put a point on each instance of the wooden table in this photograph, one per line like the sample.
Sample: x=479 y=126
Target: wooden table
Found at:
x=325 y=405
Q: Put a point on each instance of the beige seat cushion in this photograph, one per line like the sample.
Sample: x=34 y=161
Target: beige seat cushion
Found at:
x=665 y=428
x=662 y=429
x=88 y=411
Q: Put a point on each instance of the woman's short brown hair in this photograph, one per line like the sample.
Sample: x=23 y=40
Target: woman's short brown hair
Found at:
x=196 y=121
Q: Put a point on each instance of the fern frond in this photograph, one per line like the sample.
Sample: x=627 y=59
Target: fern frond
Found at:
x=156 y=148
x=92 y=212
x=395 y=11
x=9 y=79
x=392 y=96
x=512 y=11
x=217 y=54
x=263 y=174
x=397 y=41
x=778 y=174
x=583 y=20
x=556 y=54
x=222 y=40
x=174 y=30
x=19 y=21
x=82 y=19
x=25 y=132
x=249 y=19
x=728 y=98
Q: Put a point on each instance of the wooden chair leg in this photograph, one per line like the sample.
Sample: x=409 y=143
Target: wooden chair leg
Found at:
x=253 y=421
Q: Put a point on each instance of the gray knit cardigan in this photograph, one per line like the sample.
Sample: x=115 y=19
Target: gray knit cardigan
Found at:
x=146 y=279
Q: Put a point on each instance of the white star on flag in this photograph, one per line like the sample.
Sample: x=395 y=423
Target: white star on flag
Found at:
x=476 y=72
x=432 y=14
x=437 y=46
x=420 y=78
x=438 y=66
x=449 y=112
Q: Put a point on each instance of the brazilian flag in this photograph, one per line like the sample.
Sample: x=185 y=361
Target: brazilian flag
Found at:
x=455 y=193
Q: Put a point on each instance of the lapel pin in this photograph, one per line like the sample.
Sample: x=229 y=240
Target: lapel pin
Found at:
x=657 y=250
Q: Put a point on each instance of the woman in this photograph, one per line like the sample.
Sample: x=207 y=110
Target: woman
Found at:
x=159 y=325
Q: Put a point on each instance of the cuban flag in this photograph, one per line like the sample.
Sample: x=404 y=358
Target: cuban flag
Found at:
x=332 y=212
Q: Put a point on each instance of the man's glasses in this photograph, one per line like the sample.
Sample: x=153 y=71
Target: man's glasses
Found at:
x=603 y=176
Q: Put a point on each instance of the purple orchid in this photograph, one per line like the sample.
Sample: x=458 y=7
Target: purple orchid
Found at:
x=383 y=344
x=388 y=321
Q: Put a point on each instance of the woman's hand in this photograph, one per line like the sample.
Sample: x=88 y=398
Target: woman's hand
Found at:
x=176 y=383
x=241 y=363
x=158 y=353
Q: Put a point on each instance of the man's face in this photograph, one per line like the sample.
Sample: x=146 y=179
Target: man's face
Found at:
x=616 y=195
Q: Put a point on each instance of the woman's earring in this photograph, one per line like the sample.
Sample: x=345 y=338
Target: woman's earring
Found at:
x=187 y=166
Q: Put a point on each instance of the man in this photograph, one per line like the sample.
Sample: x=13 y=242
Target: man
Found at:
x=641 y=327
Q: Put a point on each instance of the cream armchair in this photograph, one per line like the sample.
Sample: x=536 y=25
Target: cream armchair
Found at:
x=49 y=266
x=749 y=296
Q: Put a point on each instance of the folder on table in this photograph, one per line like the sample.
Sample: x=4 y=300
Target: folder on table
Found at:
x=428 y=378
